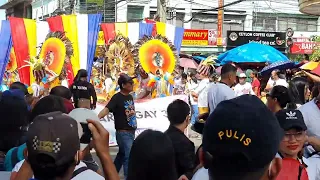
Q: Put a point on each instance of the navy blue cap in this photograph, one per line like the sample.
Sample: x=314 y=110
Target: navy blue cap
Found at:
x=241 y=134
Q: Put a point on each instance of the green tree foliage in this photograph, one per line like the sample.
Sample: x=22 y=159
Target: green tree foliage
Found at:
x=316 y=50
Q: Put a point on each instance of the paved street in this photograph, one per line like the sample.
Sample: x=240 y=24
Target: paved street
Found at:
x=114 y=151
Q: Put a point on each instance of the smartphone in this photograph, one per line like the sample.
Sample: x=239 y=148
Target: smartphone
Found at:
x=87 y=135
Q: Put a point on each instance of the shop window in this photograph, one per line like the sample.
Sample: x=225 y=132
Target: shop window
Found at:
x=29 y=12
x=312 y=25
x=300 y=26
x=282 y=24
x=134 y=13
x=292 y=23
x=264 y=24
x=297 y=24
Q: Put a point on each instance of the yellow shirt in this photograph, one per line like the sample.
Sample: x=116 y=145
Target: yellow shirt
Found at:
x=264 y=100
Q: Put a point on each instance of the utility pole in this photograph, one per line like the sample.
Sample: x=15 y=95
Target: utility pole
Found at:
x=162 y=10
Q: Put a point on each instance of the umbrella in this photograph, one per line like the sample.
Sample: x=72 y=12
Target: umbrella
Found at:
x=188 y=63
x=281 y=65
x=199 y=58
x=301 y=63
x=310 y=66
x=316 y=71
x=252 y=53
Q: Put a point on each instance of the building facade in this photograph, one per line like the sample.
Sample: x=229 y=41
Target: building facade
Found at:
x=45 y=8
x=271 y=15
x=17 y=8
x=267 y=16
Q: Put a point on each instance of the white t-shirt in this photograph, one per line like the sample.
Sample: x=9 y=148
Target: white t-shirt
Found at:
x=201 y=174
x=192 y=86
x=279 y=82
x=65 y=83
x=108 y=84
x=241 y=89
x=219 y=92
x=88 y=174
x=311 y=116
x=202 y=92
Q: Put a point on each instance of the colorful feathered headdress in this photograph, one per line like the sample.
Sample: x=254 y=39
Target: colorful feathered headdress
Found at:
x=206 y=66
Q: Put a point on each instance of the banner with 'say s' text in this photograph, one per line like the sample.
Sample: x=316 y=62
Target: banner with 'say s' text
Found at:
x=150 y=114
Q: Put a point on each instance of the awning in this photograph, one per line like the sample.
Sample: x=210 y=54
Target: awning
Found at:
x=12 y=3
x=203 y=49
x=310 y=7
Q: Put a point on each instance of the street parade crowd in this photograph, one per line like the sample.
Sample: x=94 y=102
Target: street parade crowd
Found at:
x=249 y=131
x=72 y=86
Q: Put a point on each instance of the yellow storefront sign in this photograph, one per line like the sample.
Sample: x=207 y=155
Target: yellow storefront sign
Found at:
x=195 y=42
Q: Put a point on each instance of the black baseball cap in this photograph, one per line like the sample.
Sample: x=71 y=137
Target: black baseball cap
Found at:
x=241 y=135
x=54 y=134
x=125 y=78
x=291 y=119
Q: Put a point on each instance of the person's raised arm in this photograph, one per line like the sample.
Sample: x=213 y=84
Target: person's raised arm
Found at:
x=109 y=108
x=103 y=113
x=314 y=142
x=312 y=76
x=101 y=144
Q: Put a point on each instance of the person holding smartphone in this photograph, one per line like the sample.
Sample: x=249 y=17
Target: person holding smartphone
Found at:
x=123 y=109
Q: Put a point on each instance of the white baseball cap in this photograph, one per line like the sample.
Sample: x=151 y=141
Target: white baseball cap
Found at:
x=242 y=75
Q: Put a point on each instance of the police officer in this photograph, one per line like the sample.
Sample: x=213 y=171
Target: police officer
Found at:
x=82 y=89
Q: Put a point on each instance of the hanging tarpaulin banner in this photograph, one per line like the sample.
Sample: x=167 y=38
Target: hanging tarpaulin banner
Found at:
x=50 y=49
x=5 y=46
x=71 y=30
x=31 y=32
x=133 y=31
x=56 y=24
x=21 y=46
x=82 y=30
x=100 y=41
x=82 y=22
x=93 y=31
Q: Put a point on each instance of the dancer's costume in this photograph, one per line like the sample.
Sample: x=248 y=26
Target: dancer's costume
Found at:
x=53 y=59
x=11 y=74
x=157 y=56
x=119 y=60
